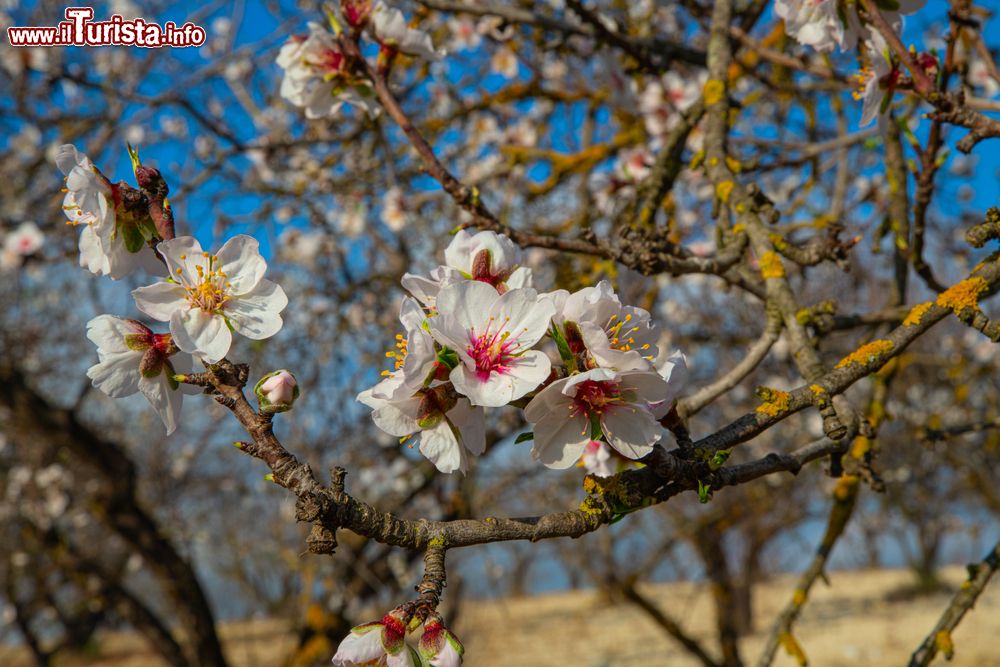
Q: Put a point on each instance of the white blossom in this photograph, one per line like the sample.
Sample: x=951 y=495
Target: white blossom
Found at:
x=207 y=294
x=600 y=402
x=389 y=28
x=493 y=335
x=134 y=359
x=315 y=78
x=89 y=202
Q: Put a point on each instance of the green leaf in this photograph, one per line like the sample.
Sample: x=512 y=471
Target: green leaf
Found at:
x=132 y=237
x=704 y=492
x=448 y=357
x=524 y=437
x=564 y=352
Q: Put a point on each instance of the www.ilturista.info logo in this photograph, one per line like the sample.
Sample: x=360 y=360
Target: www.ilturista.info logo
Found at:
x=79 y=30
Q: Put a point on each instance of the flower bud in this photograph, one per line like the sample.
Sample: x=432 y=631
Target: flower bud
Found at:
x=438 y=646
x=276 y=391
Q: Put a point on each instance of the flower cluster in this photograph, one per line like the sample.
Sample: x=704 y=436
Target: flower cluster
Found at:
x=205 y=297
x=383 y=643
x=477 y=335
x=825 y=24
x=321 y=75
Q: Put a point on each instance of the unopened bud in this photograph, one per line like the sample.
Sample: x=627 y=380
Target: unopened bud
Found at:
x=277 y=391
x=438 y=646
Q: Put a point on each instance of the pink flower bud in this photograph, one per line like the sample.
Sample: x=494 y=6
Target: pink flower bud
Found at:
x=279 y=388
x=277 y=391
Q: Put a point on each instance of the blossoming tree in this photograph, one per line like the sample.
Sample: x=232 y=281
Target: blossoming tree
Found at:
x=624 y=254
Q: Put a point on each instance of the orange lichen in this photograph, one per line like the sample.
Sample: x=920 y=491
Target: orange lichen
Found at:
x=963 y=295
x=861 y=446
x=771 y=266
x=867 y=353
x=845 y=488
x=775 y=401
x=915 y=315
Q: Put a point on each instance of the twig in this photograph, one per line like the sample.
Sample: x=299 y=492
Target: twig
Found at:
x=939 y=639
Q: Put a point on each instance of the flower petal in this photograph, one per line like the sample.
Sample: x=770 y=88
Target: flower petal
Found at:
x=108 y=333
x=631 y=430
x=160 y=300
x=202 y=334
x=440 y=445
x=359 y=648
x=117 y=374
x=166 y=401
x=241 y=262
x=560 y=438
x=256 y=314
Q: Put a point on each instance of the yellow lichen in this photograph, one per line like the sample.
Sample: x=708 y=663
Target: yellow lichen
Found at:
x=867 y=353
x=799 y=597
x=771 y=266
x=944 y=643
x=723 y=190
x=775 y=401
x=793 y=649
x=845 y=488
x=817 y=390
x=733 y=164
x=739 y=228
x=915 y=315
x=963 y=295
x=861 y=446
x=713 y=91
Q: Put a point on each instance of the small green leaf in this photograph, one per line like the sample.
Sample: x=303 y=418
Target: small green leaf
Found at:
x=704 y=492
x=448 y=357
x=524 y=437
x=132 y=237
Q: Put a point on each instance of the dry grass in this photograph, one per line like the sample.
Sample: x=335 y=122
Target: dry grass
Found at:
x=850 y=623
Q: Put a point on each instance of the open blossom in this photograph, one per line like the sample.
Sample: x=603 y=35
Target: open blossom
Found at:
x=389 y=28
x=567 y=412
x=663 y=100
x=133 y=358
x=315 y=75
x=877 y=81
x=90 y=202
x=379 y=643
x=414 y=357
x=493 y=335
x=504 y=62
x=207 y=294
x=450 y=428
x=594 y=320
x=616 y=405
x=394 y=214
x=825 y=24
x=485 y=257
x=22 y=242
x=597 y=459
x=464 y=34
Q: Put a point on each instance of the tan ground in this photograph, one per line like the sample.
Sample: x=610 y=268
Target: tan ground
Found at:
x=849 y=624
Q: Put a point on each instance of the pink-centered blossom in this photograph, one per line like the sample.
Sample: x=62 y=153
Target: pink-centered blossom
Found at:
x=485 y=256
x=450 y=429
x=134 y=359
x=599 y=403
x=614 y=335
x=20 y=243
x=316 y=77
x=493 y=335
x=207 y=296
